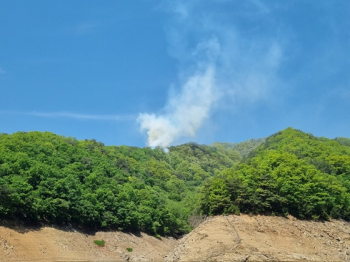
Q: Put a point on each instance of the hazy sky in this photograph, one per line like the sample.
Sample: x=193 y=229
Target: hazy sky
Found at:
x=167 y=72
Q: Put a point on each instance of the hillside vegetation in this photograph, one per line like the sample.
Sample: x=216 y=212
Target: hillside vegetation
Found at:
x=243 y=148
x=290 y=173
x=50 y=179
x=47 y=178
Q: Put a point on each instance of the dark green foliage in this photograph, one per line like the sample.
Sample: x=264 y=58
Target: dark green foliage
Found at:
x=100 y=243
x=291 y=173
x=48 y=178
x=129 y=249
x=200 y=160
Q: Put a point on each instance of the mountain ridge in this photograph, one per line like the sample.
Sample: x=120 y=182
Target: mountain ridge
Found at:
x=47 y=178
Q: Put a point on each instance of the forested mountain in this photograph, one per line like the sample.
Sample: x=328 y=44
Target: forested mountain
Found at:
x=47 y=178
x=243 y=148
x=290 y=173
x=53 y=179
x=343 y=140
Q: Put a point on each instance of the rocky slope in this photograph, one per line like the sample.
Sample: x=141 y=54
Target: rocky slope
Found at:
x=221 y=238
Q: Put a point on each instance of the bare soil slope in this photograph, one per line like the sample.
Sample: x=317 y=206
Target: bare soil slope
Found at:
x=231 y=238
x=263 y=238
x=50 y=244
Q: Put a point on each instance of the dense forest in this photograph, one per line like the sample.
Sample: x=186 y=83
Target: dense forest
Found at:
x=50 y=179
x=290 y=173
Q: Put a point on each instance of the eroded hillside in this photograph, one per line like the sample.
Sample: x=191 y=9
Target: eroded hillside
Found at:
x=48 y=244
x=221 y=238
x=264 y=238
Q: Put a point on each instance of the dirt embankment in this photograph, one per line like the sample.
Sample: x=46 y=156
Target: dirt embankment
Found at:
x=231 y=238
x=49 y=244
x=262 y=238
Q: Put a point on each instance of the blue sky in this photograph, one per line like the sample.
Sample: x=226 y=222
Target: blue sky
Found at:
x=161 y=73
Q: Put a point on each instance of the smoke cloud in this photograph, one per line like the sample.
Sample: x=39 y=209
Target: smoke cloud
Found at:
x=186 y=111
x=219 y=62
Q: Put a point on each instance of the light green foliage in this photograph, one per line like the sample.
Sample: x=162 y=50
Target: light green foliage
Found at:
x=100 y=243
x=49 y=178
x=238 y=150
x=343 y=141
x=291 y=173
x=200 y=160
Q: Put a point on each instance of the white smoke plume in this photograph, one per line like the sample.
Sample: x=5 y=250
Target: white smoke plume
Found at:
x=219 y=61
x=186 y=111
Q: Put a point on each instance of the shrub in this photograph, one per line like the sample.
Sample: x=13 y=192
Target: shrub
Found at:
x=100 y=243
x=129 y=249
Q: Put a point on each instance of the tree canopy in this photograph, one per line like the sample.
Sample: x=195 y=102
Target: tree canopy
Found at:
x=47 y=178
x=290 y=173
